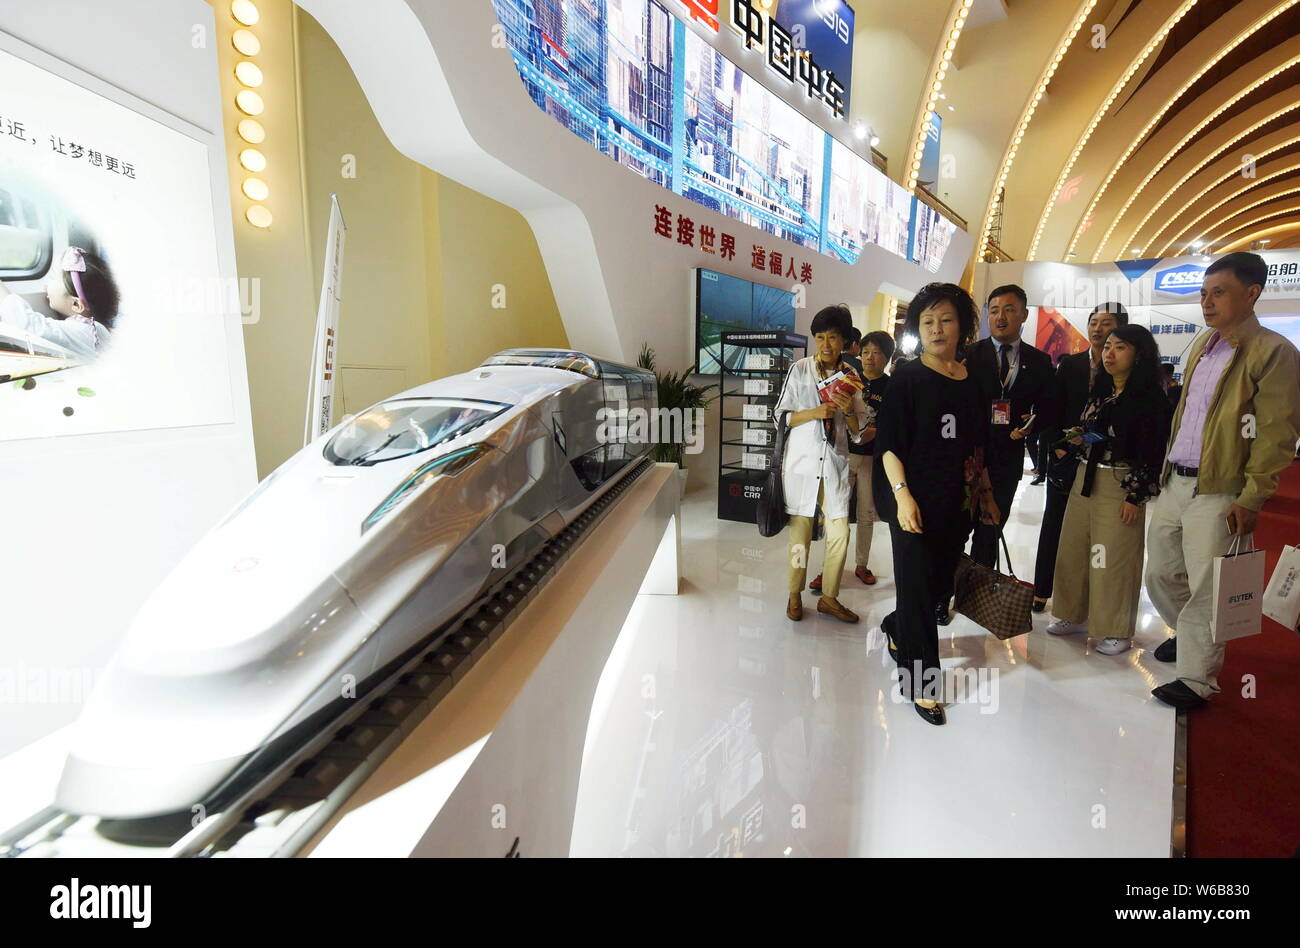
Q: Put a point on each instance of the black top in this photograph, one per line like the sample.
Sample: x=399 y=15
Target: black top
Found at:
x=935 y=425
x=1070 y=393
x=873 y=395
x=1029 y=393
x=1136 y=426
x=1174 y=392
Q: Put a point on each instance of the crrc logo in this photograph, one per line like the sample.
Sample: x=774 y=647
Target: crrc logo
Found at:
x=1180 y=280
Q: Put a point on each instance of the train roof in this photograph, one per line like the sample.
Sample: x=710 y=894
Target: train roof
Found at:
x=569 y=360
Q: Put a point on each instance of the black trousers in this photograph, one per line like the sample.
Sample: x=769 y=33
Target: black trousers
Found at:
x=1005 y=478
x=924 y=564
x=1049 y=536
x=1043 y=456
x=1031 y=446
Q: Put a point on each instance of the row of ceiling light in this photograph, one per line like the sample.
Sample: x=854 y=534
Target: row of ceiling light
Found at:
x=935 y=93
x=249 y=102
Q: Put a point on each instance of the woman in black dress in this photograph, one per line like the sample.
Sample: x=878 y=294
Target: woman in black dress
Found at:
x=929 y=481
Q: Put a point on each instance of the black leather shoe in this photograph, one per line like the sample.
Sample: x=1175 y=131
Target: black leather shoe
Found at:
x=933 y=715
x=941 y=614
x=1178 y=695
x=1038 y=480
x=1039 y=604
x=1167 y=651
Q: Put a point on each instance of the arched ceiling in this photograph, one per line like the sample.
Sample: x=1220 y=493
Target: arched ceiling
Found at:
x=1198 y=149
x=1117 y=128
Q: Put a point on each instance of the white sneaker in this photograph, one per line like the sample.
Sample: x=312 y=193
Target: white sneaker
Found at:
x=1061 y=627
x=1114 y=646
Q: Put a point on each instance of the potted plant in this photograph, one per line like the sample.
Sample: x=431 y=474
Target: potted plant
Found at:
x=676 y=391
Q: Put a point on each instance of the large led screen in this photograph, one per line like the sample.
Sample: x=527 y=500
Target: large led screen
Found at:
x=747 y=153
x=728 y=304
x=629 y=78
x=111 y=310
x=826 y=29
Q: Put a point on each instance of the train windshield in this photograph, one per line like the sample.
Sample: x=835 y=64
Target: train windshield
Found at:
x=400 y=428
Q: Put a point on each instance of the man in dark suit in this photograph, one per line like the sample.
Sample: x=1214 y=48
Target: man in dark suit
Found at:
x=1074 y=377
x=1016 y=380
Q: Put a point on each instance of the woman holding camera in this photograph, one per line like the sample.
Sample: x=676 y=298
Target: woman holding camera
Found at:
x=1121 y=443
x=929 y=481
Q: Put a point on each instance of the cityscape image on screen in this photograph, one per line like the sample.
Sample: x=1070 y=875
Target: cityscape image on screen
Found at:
x=729 y=304
x=632 y=81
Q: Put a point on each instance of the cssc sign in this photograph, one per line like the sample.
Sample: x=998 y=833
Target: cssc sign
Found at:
x=1180 y=280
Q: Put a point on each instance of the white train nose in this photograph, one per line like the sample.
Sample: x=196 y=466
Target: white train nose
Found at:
x=111 y=791
x=163 y=728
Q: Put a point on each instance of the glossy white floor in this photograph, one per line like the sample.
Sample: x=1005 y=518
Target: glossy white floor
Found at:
x=723 y=728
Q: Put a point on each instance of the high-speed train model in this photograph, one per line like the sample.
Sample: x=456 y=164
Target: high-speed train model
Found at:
x=346 y=557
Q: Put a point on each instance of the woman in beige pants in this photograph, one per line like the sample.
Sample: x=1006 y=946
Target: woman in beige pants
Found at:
x=1122 y=437
x=815 y=471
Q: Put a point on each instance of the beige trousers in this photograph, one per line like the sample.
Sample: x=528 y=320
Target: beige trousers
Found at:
x=1099 y=560
x=1188 y=530
x=837 y=547
x=860 y=471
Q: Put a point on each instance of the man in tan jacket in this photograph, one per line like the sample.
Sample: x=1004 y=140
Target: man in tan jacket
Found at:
x=1234 y=431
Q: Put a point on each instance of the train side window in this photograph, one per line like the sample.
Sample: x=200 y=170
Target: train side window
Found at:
x=26 y=245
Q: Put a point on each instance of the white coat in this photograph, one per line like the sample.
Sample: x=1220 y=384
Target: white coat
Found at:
x=811 y=460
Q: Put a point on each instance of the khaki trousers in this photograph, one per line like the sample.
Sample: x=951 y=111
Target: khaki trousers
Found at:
x=837 y=547
x=860 y=471
x=1099 y=560
x=1188 y=530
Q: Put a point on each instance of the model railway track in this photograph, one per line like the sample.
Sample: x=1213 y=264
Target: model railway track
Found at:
x=275 y=815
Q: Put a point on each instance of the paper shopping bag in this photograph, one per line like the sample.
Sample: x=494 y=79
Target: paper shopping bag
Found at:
x=1238 y=594
x=1282 y=597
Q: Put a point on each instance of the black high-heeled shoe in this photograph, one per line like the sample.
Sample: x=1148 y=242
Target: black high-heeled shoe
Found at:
x=933 y=715
x=889 y=639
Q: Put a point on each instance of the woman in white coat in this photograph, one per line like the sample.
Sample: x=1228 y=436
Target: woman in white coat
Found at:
x=815 y=472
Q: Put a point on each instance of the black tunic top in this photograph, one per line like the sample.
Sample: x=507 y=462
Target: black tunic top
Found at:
x=936 y=425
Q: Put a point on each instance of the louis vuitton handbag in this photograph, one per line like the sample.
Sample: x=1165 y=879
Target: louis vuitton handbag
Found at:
x=998 y=602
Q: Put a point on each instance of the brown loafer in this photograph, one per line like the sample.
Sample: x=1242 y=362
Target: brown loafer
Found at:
x=794 y=608
x=865 y=575
x=832 y=607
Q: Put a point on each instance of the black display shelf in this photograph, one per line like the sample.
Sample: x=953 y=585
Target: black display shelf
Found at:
x=738 y=485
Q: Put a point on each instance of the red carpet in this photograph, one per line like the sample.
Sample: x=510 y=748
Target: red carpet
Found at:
x=1243 y=774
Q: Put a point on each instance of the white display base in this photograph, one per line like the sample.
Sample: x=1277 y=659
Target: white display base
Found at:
x=494 y=769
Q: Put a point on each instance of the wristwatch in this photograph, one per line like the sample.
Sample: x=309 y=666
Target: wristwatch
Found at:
x=899 y=486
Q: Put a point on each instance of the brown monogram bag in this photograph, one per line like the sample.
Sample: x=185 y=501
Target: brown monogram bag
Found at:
x=1001 y=604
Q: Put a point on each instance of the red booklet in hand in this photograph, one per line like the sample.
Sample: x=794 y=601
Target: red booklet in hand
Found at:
x=843 y=382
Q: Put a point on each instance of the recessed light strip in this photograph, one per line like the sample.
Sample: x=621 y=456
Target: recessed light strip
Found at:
x=1115 y=91
x=1169 y=104
x=1259 y=220
x=1251 y=184
x=1027 y=116
x=938 y=69
x=250 y=104
x=1250 y=238
x=1199 y=167
x=1249 y=207
x=1228 y=175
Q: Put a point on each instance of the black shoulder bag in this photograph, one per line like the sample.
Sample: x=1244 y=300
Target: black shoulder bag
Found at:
x=772 y=517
